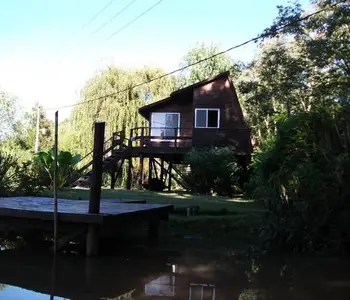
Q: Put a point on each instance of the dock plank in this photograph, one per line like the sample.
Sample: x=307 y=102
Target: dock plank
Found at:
x=72 y=210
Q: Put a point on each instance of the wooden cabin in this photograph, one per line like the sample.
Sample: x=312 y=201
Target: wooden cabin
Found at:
x=205 y=114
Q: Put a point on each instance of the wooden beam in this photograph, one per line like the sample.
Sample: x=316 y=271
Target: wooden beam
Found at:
x=129 y=179
x=169 y=171
x=95 y=191
x=141 y=171
x=162 y=168
x=155 y=168
x=113 y=175
x=96 y=175
x=173 y=178
x=149 y=169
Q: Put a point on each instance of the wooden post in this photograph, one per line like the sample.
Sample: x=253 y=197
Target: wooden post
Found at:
x=149 y=169
x=128 y=180
x=55 y=186
x=113 y=175
x=155 y=168
x=142 y=137
x=162 y=168
x=170 y=169
x=141 y=172
x=95 y=191
x=175 y=129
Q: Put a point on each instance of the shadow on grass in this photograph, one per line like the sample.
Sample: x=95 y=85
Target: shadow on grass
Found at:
x=178 y=199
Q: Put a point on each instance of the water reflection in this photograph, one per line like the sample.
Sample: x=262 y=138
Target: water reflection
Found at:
x=155 y=274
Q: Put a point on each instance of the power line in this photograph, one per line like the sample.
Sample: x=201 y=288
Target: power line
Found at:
x=97 y=14
x=255 y=39
x=86 y=24
x=112 y=18
x=133 y=20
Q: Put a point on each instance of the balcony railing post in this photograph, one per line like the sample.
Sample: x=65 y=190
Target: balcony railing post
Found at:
x=176 y=137
x=131 y=136
x=142 y=136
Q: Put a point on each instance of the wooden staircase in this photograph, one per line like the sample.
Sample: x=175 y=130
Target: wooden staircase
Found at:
x=114 y=154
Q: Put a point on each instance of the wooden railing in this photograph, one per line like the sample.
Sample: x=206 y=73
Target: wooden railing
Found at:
x=116 y=141
x=142 y=137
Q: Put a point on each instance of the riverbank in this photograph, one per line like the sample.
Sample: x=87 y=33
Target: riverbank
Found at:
x=213 y=221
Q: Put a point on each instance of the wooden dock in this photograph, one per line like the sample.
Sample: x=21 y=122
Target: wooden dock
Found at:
x=30 y=215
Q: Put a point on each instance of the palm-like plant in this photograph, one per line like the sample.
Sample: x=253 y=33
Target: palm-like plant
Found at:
x=66 y=162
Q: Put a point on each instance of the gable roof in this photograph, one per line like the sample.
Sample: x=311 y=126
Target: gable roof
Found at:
x=145 y=110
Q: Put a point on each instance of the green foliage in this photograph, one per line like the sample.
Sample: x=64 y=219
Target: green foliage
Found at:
x=8 y=168
x=30 y=180
x=209 y=68
x=17 y=179
x=119 y=111
x=46 y=130
x=9 y=114
x=213 y=169
x=302 y=175
x=66 y=162
x=253 y=294
x=303 y=68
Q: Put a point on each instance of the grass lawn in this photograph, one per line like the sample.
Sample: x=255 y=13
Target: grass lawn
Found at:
x=179 y=199
x=221 y=221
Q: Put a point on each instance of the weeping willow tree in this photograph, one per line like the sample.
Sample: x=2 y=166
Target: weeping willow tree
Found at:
x=111 y=97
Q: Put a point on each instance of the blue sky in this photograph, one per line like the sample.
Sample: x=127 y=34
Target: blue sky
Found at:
x=46 y=55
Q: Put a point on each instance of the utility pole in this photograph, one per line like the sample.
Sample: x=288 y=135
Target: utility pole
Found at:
x=36 y=146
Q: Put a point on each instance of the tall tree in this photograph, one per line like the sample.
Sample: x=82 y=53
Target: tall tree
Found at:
x=301 y=68
x=207 y=68
x=9 y=115
x=102 y=101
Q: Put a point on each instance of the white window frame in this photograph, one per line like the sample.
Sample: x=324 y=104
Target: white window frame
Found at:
x=178 y=125
x=206 y=121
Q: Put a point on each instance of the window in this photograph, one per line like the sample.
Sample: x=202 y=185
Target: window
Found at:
x=165 y=124
x=207 y=118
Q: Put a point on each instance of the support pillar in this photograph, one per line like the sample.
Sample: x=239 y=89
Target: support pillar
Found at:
x=95 y=191
x=113 y=175
x=128 y=180
x=141 y=172
x=149 y=168
x=169 y=171
x=162 y=169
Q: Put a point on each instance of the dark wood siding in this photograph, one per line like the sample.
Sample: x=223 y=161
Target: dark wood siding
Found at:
x=186 y=115
x=233 y=129
x=186 y=121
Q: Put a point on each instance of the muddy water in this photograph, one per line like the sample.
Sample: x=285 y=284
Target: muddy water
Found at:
x=167 y=274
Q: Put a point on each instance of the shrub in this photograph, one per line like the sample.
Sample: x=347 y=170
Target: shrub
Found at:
x=8 y=167
x=66 y=162
x=16 y=179
x=30 y=181
x=213 y=170
x=303 y=177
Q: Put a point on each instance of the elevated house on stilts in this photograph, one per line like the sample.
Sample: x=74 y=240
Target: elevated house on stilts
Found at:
x=205 y=114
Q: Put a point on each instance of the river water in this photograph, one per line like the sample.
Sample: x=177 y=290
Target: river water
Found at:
x=187 y=273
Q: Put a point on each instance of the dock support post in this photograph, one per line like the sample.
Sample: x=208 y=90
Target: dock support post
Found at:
x=170 y=169
x=141 y=172
x=95 y=191
x=128 y=180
